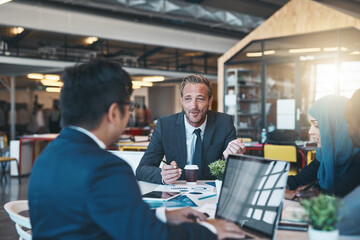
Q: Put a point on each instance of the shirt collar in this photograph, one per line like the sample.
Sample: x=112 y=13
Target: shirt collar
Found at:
x=91 y=135
x=190 y=129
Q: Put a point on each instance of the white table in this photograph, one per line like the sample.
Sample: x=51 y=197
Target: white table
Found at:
x=146 y=187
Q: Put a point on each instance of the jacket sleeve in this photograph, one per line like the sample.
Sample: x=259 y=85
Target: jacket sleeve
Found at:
x=348 y=214
x=148 y=169
x=351 y=178
x=115 y=205
x=307 y=175
x=231 y=132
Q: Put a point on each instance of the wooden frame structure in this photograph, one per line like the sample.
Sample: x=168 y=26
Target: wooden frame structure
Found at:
x=294 y=18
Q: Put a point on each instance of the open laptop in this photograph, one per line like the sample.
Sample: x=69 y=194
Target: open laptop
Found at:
x=252 y=194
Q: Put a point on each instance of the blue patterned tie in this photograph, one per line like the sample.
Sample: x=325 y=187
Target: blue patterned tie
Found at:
x=198 y=151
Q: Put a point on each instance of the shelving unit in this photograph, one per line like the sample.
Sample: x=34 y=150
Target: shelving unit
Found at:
x=242 y=101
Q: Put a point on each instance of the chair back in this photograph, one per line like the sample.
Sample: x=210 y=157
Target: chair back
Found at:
x=284 y=137
x=247 y=140
x=14 y=209
x=283 y=152
x=3 y=140
x=280 y=152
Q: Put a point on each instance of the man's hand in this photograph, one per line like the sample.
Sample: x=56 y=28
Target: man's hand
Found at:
x=183 y=215
x=234 y=147
x=170 y=173
x=226 y=229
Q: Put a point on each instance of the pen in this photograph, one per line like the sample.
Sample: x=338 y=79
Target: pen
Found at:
x=209 y=196
x=310 y=185
x=164 y=161
x=307 y=188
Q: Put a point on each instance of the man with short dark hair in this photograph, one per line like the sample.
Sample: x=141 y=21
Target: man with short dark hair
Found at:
x=78 y=190
x=350 y=207
x=194 y=136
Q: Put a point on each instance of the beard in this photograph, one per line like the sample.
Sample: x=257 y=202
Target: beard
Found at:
x=199 y=117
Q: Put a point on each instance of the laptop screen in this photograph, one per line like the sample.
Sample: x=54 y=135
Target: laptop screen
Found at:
x=252 y=192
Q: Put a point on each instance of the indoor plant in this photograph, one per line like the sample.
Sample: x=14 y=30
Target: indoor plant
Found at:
x=322 y=216
x=217 y=169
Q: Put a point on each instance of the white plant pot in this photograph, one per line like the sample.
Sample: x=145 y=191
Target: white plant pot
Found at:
x=218 y=184
x=317 y=234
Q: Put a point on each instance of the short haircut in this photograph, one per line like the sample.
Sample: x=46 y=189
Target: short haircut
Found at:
x=89 y=90
x=355 y=105
x=195 y=79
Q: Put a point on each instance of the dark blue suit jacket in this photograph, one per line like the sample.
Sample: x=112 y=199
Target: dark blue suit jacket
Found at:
x=169 y=138
x=80 y=191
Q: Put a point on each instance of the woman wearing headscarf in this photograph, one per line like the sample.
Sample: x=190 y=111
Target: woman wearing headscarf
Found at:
x=333 y=170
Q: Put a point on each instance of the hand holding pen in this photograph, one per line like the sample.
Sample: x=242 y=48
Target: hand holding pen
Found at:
x=170 y=172
x=307 y=191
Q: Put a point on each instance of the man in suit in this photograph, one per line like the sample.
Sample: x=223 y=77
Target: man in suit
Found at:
x=78 y=190
x=176 y=136
x=350 y=206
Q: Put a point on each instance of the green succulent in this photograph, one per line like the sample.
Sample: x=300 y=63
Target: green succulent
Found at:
x=322 y=211
x=217 y=168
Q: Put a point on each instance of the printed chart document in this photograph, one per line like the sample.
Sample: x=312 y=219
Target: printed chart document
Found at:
x=186 y=188
x=177 y=202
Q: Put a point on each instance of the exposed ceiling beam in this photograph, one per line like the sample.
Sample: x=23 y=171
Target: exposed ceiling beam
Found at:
x=39 y=17
x=22 y=66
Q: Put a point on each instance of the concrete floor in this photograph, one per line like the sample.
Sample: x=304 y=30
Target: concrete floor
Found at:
x=10 y=191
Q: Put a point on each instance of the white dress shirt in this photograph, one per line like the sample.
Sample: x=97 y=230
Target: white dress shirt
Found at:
x=191 y=138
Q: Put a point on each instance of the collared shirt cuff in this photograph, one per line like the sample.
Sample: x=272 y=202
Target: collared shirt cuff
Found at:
x=160 y=214
x=208 y=226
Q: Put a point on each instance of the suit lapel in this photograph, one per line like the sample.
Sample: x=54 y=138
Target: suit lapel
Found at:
x=181 y=138
x=209 y=132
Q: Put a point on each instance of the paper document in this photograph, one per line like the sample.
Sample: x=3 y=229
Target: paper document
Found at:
x=185 y=188
x=209 y=209
x=177 y=202
x=292 y=212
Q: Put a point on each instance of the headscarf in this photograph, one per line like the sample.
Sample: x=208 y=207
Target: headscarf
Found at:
x=336 y=145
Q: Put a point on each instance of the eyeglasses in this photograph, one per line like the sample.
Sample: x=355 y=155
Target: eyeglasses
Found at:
x=130 y=104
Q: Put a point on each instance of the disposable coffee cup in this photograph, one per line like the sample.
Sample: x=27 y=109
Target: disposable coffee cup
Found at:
x=191 y=172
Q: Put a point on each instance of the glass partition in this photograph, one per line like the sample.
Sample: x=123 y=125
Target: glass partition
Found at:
x=286 y=75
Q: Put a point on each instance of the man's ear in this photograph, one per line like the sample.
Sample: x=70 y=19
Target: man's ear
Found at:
x=211 y=100
x=113 y=113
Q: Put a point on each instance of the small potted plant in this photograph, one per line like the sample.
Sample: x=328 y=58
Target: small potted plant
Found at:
x=217 y=169
x=322 y=217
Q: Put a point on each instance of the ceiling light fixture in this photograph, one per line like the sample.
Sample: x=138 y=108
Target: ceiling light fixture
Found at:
x=52 y=77
x=143 y=84
x=35 y=76
x=91 y=40
x=254 y=54
x=269 y=52
x=134 y=86
x=355 y=53
x=51 y=83
x=154 y=79
x=259 y=54
x=304 y=50
x=307 y=58
x=17 y=30
x=4 y=1
x=53 y=89
x=334 y=49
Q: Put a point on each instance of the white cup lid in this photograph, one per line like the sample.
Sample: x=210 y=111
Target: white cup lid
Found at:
x=191 y=167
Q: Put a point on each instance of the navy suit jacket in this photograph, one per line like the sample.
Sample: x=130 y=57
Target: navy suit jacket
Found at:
x=79 y=191
x=169 y=139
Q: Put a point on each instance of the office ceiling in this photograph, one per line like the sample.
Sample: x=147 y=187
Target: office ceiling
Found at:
x=227 y=18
